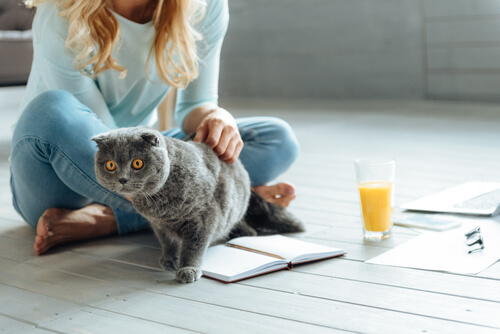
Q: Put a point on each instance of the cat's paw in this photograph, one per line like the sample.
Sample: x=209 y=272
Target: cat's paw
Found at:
x=168 y=262
x=188 y=274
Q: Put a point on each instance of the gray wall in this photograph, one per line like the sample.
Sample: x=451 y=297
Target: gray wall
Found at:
x=438 y=49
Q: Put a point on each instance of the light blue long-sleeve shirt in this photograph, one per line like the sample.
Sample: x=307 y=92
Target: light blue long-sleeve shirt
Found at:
x=130 y=101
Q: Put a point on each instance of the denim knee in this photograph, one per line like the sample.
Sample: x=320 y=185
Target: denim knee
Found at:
x=49 y=116
x=270 y=147
x=287 y=146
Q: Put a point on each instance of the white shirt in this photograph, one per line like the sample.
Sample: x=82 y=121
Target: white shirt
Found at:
x=130 y=101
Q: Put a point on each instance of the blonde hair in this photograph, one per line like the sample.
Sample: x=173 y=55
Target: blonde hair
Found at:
x=93 y=33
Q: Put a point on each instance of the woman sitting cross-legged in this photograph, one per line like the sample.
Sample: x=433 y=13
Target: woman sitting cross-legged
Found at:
x=104 y=64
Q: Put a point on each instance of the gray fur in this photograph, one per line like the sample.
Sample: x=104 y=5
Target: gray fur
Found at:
x=191 y=199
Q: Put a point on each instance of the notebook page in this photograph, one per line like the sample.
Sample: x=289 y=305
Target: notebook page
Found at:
x=228 y=263
x=288 y=248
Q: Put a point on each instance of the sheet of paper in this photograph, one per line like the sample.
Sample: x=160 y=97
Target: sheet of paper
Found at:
x=447 y=251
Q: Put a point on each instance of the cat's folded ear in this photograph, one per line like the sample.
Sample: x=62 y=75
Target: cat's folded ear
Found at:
x=151 y=138
x=100 y=139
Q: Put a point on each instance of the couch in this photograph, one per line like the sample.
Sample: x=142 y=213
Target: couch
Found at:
x=16 y=50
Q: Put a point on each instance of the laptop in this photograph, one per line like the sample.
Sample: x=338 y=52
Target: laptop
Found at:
x=473 y=198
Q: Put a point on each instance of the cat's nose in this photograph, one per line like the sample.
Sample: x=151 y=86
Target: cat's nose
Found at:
x=122 y=181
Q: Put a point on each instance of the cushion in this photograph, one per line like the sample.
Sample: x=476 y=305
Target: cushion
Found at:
x=16 y=49
x=15 y=16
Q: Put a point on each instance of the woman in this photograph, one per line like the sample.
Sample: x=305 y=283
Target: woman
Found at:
x=101 y=64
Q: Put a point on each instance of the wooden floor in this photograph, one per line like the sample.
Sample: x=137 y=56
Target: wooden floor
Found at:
x=114 y=285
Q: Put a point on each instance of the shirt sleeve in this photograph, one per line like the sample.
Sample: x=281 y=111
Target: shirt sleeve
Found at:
x=55 y=64
x=204 y=89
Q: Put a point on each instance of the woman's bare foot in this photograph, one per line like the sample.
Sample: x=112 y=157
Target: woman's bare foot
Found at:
x=59 y=226
x=280 y=194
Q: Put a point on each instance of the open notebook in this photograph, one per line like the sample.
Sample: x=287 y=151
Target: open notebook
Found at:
x=246 y=257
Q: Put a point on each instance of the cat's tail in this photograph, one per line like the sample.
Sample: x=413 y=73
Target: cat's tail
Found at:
x=266 y=217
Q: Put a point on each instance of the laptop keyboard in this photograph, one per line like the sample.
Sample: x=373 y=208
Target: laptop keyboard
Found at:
x=487 y=201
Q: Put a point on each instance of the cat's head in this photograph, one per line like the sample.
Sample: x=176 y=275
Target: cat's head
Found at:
x=131 y=161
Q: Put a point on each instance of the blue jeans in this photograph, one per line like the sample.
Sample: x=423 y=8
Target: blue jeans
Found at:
x=52 y=158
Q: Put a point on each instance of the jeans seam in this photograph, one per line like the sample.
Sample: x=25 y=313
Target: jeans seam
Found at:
x=94 y=184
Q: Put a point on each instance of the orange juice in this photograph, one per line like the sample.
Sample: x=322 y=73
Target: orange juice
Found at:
x=376 y=205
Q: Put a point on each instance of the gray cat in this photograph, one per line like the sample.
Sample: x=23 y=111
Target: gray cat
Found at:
x=191 y=199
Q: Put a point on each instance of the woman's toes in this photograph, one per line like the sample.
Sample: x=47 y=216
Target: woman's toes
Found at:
x=286 y=190
x=284 y=201
x=59 y=226
x=279 y=194
x=42 y=228
x=40 y=245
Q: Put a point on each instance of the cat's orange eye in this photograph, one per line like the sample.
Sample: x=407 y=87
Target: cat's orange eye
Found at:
x=110 y=165
x=137 y=164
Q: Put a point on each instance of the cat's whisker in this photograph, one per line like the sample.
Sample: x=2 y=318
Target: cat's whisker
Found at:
x=157 y=195
x=149 y=197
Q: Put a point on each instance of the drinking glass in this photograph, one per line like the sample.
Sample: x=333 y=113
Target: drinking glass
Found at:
x=375 y=178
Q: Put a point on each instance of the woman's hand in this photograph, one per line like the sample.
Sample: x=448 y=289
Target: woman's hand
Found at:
x=218 y=130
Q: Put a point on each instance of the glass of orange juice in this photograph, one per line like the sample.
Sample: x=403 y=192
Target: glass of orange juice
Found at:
x=375 y=178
